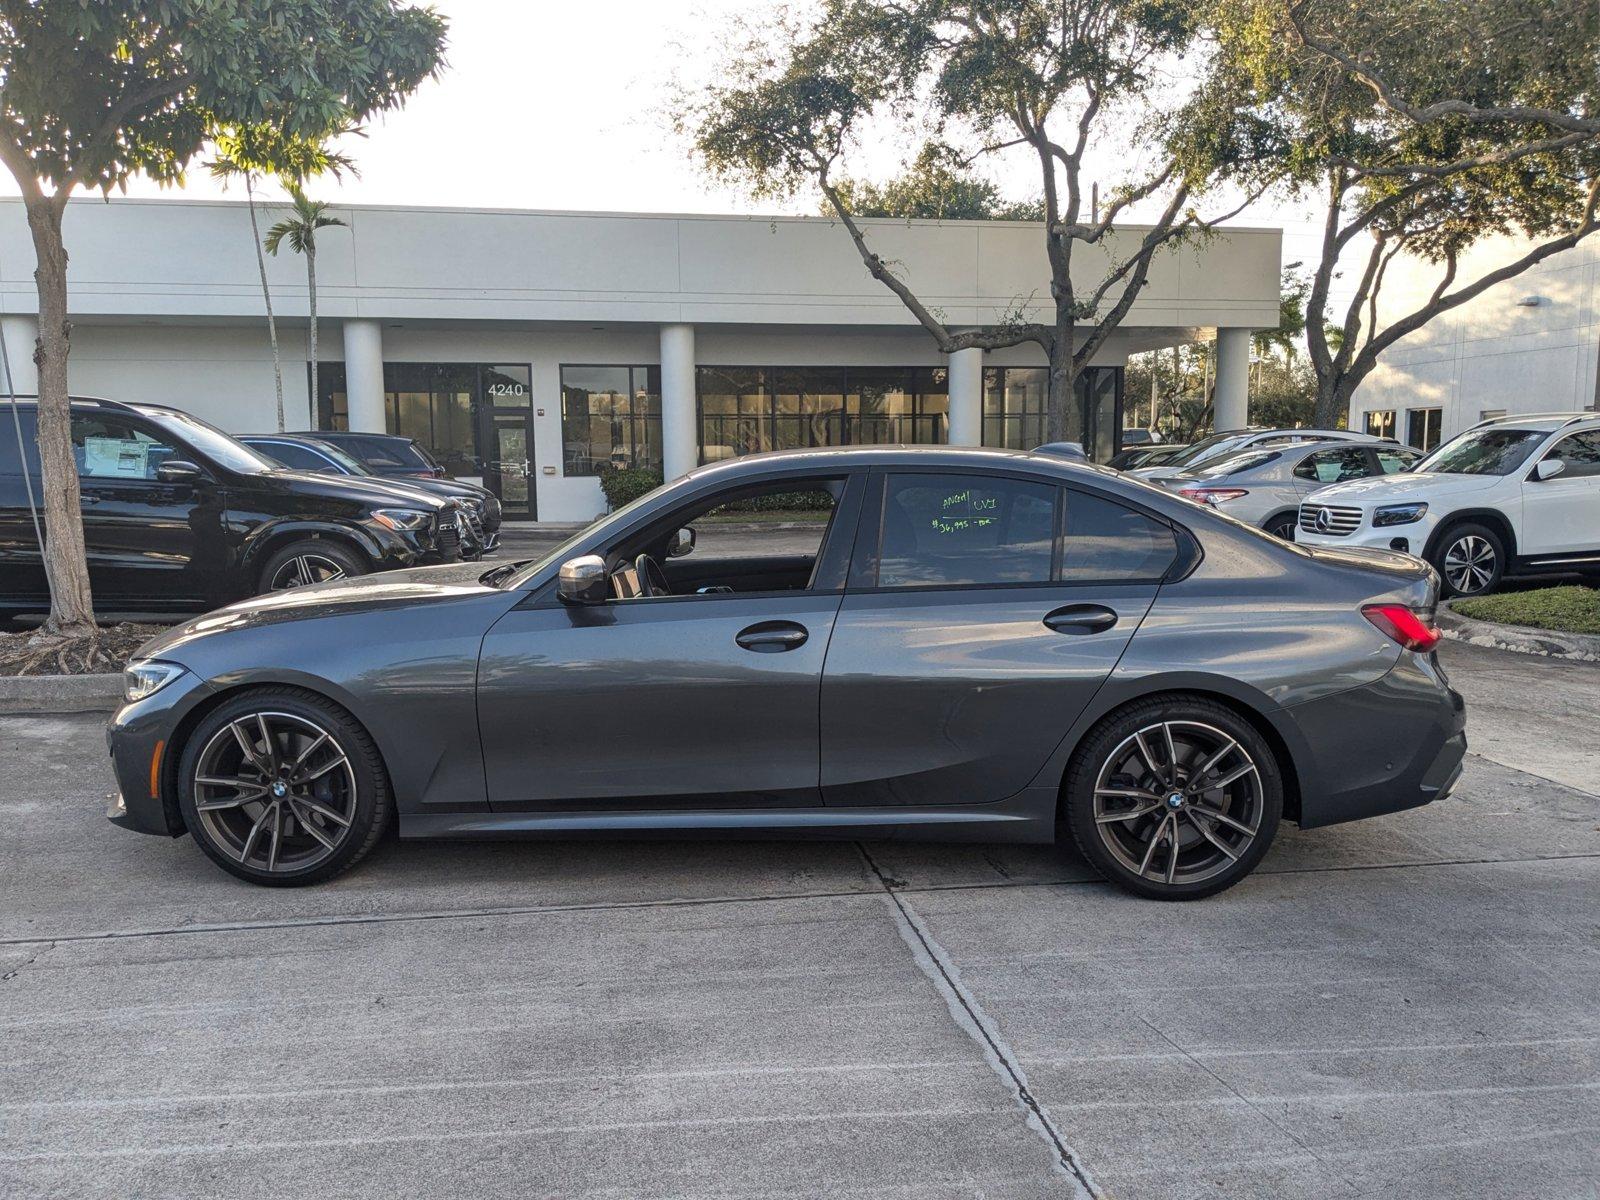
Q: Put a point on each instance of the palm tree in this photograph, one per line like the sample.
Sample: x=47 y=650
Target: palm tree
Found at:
x=248 y=154
x=300 y=231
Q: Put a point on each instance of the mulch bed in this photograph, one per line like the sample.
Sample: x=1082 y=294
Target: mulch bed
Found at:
x=33 y=652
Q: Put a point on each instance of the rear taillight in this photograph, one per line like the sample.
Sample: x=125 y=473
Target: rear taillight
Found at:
x=1403 y=625
x=1213 y=495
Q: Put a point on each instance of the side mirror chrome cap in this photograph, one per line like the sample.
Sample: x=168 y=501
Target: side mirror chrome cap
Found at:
x=582 y=580
x=1549 y=468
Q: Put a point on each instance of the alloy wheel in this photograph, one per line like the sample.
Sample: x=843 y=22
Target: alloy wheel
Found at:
x=1469 y=564
x=305 y=569
x=275 y=791
x=1178 y=802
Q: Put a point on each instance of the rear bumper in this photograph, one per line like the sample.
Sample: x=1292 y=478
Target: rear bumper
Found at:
x=1394 y=744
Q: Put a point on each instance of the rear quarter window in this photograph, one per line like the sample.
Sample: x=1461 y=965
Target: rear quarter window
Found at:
x=1107 y=542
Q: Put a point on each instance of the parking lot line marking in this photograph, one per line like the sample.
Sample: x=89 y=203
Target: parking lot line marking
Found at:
x=971 y=1018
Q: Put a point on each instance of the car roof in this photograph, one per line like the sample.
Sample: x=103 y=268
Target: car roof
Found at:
x=1542 y=422
x=774 y=462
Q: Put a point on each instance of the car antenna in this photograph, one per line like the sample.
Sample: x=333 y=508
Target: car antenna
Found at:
x=22 y=451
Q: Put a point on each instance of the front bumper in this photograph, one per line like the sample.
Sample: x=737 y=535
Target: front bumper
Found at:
x=1414 y=535
x=138 y=737
x=1394 y=744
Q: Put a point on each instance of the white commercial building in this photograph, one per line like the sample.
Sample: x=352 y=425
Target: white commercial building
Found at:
x=538 y=349
x=1526 y=345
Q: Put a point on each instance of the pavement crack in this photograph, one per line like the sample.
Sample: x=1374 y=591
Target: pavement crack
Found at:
x=43 y=949
x=978 y=1025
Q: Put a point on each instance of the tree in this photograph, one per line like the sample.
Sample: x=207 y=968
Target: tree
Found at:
x=300 y=231
x=1058 y=81
x=1424 y=126
x=93 y=93
x=936 y=186
x=250 y=154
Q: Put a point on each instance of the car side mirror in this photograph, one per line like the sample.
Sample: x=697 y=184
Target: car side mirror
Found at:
x=177 y=470
x=682 y=543
x=583 y=580
x=1548 y=468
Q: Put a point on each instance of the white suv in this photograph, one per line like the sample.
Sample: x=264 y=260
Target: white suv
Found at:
x=1512 y=495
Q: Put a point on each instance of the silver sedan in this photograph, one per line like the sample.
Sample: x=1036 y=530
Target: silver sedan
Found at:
x=1266 y=486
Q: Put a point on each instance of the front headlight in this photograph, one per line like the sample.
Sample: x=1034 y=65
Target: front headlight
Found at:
x=402 y=519
x=141 y=679
x=1398 y=514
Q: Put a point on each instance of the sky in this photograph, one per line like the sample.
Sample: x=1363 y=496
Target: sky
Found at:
x=560 y=105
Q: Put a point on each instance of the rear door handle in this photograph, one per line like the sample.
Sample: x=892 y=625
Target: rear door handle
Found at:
x=1081 y=618
x=772 y=637
x=87 y=499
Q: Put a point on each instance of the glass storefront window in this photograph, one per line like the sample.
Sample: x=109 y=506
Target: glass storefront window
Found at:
x=610 y=419
x=1016 y=407
x=1380 y=422
x=1422 y=427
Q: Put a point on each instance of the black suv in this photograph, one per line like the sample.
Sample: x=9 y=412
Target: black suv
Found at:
x=180 y=517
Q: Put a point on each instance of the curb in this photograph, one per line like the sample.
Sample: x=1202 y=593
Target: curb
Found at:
x=48 y=694
x=1582 y=647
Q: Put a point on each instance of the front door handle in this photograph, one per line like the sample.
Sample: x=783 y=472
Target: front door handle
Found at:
x=772 y=637
x=1081 y=618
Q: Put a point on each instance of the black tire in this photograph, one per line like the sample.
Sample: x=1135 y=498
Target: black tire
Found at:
x=348 y=803
x=1221 y=832
x=311 y=560
x=1458 y=555
x=1281 y=526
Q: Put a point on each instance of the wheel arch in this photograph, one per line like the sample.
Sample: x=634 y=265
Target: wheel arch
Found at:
x=1490 y=517
x=267 y=540
x=1292 y=513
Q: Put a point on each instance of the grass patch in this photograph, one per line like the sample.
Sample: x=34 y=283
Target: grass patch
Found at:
x=1569 y=609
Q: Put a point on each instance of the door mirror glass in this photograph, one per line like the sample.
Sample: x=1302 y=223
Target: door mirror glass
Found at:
x=682 y=543
x=178 y=470
x=583 y=581
x=1549 y=468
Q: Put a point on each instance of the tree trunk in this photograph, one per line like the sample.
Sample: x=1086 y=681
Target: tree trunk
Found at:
x=266 y=294
x=66 y=566
x=1333 y=401
x=1062 y=397
x=311 y=283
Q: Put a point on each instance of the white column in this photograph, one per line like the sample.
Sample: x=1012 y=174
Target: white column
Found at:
x=966 y=398
x=363 y=376
x=680 y=447
x=21 y=333
x=1231 y=400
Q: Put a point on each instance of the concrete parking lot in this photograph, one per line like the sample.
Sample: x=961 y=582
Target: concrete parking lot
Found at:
x=1400 y=1008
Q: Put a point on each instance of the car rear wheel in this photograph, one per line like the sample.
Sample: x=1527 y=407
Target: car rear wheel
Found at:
x=1174 y=798
x=314 y=560
x=282 y=787
x=1470 y=559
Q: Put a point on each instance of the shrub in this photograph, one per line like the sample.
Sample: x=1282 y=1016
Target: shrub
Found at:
x=627 y=485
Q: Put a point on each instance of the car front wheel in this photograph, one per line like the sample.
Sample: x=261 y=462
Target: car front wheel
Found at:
x=1282 y=527
x=1471 y=560
x=1174 y=798
x=282 y=787
x=314 y=560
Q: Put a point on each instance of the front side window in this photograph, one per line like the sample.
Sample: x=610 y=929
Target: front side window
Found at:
x=961 y=530
x=1335 y=466
x=106 y=447
x=1496 y=451
x=298 y=458
x=610 y=419
x=1581 y=453
x=1391 y=459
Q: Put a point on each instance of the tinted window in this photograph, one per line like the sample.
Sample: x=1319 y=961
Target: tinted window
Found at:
x=1335 y=466
x=301 y=458
x=1581 y=453
x=10 y=460
x=1232 y=464
x=1106 y=542
x=1494 y=451
x=107 y=447
x=1392 y=460
x=949 y=530
x=221 y=448
x=378 y=453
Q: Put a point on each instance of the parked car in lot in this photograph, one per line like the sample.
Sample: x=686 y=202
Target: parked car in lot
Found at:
x=1266 y=486
x=385 y=453
x=1233 y=441
x=1146 y=456
x=1513 y=495
x=180 y=517
x=1135 y=436
x=979 y=645
x=480 y=509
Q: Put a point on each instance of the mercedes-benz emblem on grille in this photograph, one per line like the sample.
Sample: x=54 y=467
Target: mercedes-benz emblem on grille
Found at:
x=1324 y=520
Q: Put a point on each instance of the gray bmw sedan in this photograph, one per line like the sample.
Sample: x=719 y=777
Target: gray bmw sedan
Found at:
x=943 y=643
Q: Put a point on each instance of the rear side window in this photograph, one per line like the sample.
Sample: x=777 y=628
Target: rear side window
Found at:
x=10 y=453
x=301 y=458
x=1107 y=542
x=961 y=530
x=1335 y=466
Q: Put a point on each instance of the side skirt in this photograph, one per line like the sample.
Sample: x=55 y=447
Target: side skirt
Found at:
x=1029 y=816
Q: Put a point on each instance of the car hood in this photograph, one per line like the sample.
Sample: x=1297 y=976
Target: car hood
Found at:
x=342 y=597
x=360 y=490
x=1409 y=485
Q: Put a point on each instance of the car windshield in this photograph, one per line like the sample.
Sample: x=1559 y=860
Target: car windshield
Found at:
x=343 y=459
x=1233 y=463
x=223 y=450
x=1496 y=451
x=1202 y=449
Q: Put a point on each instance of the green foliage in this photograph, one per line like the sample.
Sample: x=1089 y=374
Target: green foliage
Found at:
x=814 y=501
x=936 y=185
x=1570 y=609
x=96 y=92
x=626 y=485
x=300 y=230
